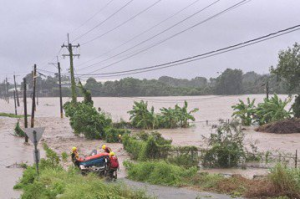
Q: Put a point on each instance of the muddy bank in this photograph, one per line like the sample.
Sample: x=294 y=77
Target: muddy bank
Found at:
x=288 y=126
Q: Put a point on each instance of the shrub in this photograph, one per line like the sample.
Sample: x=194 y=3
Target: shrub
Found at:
x=272 y=110
x=142 y=118
x=296 y=107
x=244 y=111
x=226 y=146
x=147 y=146
x=160 y=172
x=85 y=119
x=18 y=131
x=186 y=156
x=112 y=134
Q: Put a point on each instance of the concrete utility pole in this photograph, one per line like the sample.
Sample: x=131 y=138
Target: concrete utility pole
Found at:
x=33 y=96
x=25 y=107
x=71 y=55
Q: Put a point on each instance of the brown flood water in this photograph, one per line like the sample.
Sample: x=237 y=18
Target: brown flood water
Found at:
x=58 y=133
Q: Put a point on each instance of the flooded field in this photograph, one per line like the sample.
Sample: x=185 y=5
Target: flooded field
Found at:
x=58 y=133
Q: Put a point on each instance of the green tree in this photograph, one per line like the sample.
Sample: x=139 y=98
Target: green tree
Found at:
x=288 y=67
x=229 y=82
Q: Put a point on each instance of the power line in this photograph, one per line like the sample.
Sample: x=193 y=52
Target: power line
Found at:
x=170 y=37
x=154 y=36
x=99 y=24
x=203 y=55
x=118 y=26
x=94 y=15
x=140 y=34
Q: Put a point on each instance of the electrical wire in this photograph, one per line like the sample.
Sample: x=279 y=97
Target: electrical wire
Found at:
x=172 y=36
x=154 y=36
x=123 y=23
x=102 y=22
x=203 y=55
x=94 y=15
x=140 y=34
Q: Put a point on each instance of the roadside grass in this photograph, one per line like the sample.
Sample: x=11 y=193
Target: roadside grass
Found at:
x=11 y=115
x=281 y=182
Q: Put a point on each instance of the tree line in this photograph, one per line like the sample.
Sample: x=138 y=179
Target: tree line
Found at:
x=282 y=79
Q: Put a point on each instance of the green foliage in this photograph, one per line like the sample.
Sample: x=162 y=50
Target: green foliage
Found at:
x=288 y=67
x=142 y=118
x=55 y=182
x=145 y=146
x=245 y=111
x=160 y=172
x=64 y=156
x=296 y=107
x=18 y=131
x=185 y=156
x=229 y=82
x=272 y=110
x=11 y=115
x=86 y=95
x=225 y=146
x=52 y=159
x=286 y=180
x=112 y=134
x=86 y=120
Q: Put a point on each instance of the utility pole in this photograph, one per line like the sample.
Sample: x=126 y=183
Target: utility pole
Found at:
x=33 y=96
x=267 y=88
x=60 y=91
x=17 y=95
x=6 y=90
x=71 y=55
x=15 y=100
x=25 y=107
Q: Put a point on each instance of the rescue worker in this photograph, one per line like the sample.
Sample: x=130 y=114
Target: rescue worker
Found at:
x=106 y=149
x=75 y=156
x=113 y=165
x=120 y=138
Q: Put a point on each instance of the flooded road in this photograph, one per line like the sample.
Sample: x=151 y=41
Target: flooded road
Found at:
x=58 y=134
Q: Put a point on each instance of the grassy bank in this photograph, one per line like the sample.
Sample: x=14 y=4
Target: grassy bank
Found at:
x=11 y=115
x=281 y=182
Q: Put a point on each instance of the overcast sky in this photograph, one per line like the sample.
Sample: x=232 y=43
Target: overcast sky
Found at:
x=33 y=31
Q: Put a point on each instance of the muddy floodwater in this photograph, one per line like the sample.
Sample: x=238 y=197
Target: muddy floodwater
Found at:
x=58 y=134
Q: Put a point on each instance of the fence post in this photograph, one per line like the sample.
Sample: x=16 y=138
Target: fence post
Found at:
x=296 y=159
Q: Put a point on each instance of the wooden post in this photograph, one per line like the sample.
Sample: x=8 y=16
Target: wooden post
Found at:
x=33 y=96
x=25 y=108
x=296 y=159
x=16 y=112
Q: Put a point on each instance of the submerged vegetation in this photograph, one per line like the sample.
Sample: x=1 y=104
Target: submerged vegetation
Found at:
x=226 y=147
x=18 y=131
x=270 y=110
x=175 y=117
